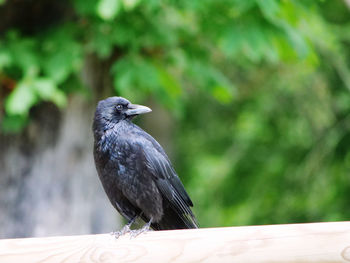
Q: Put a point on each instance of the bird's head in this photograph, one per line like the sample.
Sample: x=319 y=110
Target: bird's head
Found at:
x=115 y=109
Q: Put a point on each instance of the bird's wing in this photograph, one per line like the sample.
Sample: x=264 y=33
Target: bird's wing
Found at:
x=169 y=183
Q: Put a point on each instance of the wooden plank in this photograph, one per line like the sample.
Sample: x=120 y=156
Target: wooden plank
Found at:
x=313 y=242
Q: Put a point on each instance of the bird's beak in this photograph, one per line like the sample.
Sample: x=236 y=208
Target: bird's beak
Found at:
x=134 y=109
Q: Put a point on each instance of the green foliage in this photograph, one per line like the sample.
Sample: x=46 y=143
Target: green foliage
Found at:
x=39 y=66
x=182 y=46
x=259 y=88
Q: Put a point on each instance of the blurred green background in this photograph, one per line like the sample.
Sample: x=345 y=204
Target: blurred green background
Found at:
x=250 y=98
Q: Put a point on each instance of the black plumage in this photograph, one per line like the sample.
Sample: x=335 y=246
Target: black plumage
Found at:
x=135 y=172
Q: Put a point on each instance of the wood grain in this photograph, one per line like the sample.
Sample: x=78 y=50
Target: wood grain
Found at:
x=313 y=242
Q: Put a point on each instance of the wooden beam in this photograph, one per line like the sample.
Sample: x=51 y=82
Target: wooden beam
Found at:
x=313 y=242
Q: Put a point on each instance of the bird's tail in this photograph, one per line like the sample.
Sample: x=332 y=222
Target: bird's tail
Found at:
x=172 y=219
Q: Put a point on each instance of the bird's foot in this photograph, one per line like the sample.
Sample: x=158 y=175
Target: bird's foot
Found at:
x=123 y=231
x=144 y=229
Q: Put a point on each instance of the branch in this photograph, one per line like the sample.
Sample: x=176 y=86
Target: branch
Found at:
x=314 y=242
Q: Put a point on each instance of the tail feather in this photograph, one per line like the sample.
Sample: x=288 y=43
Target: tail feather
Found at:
x=172 y=219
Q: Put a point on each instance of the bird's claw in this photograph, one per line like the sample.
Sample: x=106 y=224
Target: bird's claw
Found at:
x=136 y=232
x=123 y=231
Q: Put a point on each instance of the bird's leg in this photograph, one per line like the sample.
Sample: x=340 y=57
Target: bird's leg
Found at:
x=125 y=229
x=144 y=229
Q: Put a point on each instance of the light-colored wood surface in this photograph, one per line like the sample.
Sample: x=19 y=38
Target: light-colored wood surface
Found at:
x=315 y=242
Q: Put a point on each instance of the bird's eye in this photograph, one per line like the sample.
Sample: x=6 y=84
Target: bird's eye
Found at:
x=119 y=107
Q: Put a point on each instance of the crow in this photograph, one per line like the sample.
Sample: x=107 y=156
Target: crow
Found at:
x=135 y=171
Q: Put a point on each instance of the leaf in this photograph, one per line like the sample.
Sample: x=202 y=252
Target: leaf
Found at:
x=170 y=83
x=297 y=42
x=46 y=89
x=5 y=58
x=20 y=100
x=58 y=66
x=122 y=71
x=222 y=93
x=147 y=75
x=62 y=54
x=59 y=98
x=269 y=8
x=130 y=4
x=108 y=9
x=23 y=52
x=29 y=92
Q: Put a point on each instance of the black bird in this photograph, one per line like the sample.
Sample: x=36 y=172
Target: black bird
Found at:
x=135 y=172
